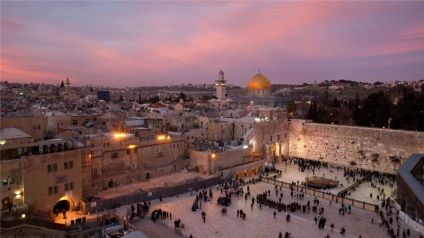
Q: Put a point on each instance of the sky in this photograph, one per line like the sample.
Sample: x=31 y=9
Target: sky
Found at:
x=156 y=43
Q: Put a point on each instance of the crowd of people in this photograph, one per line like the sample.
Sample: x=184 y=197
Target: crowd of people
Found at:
x=240 y=189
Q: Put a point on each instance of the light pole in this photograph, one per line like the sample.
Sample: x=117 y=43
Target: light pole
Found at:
x=212 y=162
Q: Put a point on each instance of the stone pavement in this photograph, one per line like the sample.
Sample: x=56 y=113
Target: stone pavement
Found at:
x=362 y=193
x=259 y=222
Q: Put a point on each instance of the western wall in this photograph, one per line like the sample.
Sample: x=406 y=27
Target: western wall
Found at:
x=362 y=147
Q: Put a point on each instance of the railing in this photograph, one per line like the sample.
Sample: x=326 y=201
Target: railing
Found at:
x=317 y=193
x=354 y=185
x=35 y=222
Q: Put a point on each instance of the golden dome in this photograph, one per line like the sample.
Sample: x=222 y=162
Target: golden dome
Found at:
x=259 y=81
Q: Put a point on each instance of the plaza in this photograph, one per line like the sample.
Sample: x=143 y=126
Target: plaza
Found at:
x=260 y=221
x=291 y=173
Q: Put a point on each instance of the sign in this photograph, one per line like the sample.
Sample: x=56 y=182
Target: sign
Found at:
x=61 y=179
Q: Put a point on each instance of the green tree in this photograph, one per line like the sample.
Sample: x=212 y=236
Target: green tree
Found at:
x=291 y=106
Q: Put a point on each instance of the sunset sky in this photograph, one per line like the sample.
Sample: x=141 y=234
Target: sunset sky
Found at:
x=120 y=44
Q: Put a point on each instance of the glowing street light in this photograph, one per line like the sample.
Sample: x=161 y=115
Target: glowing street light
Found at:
x=119 y=135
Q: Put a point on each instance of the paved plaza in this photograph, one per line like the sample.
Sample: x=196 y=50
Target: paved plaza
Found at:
x=260 y=221
x=291 y=173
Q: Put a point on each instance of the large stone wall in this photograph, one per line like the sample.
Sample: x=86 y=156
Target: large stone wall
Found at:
x=370 y=148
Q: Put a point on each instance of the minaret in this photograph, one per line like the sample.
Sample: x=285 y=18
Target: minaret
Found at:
x=221 y=86
x=67 y=90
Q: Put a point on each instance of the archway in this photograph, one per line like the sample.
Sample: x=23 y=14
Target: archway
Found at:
x=5 y=203
x=62 y=205
x=253 y=171
x=147 y=176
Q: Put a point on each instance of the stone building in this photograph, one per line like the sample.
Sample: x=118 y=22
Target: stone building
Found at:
x=35 y=126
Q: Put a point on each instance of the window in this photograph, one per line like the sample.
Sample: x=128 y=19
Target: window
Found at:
x=69 y=186
x=51 y=168
x=128 y=152
x=278 y=137
x=34 y=127
x=53 y=190
x=5 y=182
x=65 y=165
x=114 y=155
x=38 y=127
x=71 y=164
x=74 y=122
x=135 y=151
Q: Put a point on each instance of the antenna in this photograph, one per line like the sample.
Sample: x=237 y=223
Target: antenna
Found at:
x=259 y=70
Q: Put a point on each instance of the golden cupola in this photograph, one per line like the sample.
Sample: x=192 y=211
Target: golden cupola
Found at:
x=259 y=82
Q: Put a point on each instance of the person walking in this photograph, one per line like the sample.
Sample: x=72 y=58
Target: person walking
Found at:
x=204 y=216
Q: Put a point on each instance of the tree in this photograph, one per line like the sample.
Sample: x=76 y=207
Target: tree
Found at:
x=291 y=106
x=182 y=96
x=313 y=109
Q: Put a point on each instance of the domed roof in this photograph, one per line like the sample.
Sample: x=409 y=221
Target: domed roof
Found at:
x=221 y=72
x=259 y=81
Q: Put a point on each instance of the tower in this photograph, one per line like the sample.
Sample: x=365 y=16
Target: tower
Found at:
x=67 y=90
x=221 y=86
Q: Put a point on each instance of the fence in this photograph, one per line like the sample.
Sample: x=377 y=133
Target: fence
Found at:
x=6 y=224
x=138 y=196
x=317 y=193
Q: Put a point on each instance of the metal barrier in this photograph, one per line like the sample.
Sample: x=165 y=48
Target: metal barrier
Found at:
x=321 y=194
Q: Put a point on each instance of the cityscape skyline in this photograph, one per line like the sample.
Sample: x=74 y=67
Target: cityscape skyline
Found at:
x=164 y=43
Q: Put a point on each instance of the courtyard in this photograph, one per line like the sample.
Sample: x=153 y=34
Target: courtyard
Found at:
x=259 y=221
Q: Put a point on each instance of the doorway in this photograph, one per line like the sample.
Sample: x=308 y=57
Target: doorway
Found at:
x=62 y=205
x=5 y=203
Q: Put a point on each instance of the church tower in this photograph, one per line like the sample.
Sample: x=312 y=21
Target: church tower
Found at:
x=221 y=86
